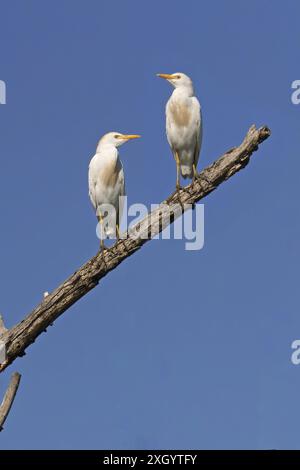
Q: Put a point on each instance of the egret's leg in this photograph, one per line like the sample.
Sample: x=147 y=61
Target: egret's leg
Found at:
x=196 y=175
x=177 y=171
x=178 y=187
x=118 y=232
x=118 y=237
x=102 y=246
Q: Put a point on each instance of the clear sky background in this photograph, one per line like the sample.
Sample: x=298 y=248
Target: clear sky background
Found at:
x=174 y=349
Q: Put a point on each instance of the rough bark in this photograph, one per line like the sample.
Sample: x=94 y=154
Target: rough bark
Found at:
x=3 y=329
x=19 y=337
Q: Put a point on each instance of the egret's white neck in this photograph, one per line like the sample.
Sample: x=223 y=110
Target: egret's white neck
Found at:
x=185 y=91
x=105 y=146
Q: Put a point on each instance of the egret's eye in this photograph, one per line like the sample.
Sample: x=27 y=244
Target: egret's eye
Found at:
x=117 y=136
x=178 y=76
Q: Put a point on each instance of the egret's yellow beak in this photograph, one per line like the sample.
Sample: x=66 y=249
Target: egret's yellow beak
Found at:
x=129 y=136
x=166 y=76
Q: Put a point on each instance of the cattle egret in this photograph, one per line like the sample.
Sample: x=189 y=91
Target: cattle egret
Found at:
x=107 y=182
x=183 y=125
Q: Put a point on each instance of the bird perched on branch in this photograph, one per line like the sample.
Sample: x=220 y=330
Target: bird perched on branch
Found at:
x=183 y=125
x=107 y=183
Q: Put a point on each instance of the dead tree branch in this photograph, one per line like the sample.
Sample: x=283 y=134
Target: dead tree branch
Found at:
x=9 y=397
x=19 y=337
x=3 y=329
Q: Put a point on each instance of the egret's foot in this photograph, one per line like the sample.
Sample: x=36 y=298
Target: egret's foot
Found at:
x=125 y=247
x=103 y=249
x=123 y=243
x=196 y=176
x=102 y=246
x=178 y=189
x=172 y=195
x=176 y=193
x=119 y=238
x=207 y=180
x=201 y=181
x=186 y=189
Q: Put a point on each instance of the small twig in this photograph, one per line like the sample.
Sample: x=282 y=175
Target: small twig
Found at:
x=9 y=398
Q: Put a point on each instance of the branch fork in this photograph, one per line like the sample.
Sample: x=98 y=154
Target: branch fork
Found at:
x=11 y=389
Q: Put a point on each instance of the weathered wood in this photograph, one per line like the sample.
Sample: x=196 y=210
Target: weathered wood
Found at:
x=9 y=397
x=19 y=337
x=3 y=329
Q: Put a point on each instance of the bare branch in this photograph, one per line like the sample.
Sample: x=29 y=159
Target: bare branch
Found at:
x=18 y=338
x=9 y=397
x=2 y=326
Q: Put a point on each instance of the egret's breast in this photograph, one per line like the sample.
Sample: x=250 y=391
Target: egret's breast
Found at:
x=180 y=113
x=110 y=173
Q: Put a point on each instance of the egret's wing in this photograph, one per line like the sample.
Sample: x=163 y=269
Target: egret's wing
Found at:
x=198 y=135
x=92 y=185
x=168 y=126
x=122 y=193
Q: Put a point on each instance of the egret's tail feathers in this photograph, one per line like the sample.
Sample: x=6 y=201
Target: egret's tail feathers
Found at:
x=186 y=171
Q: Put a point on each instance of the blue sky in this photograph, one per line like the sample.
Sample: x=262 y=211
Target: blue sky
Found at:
x=174 y=349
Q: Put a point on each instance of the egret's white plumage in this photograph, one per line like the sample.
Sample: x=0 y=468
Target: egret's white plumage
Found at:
x=106 y=179
x=183 y=124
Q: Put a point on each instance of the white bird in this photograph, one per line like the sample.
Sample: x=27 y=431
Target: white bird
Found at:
x=183 y=125
x=107 y=182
